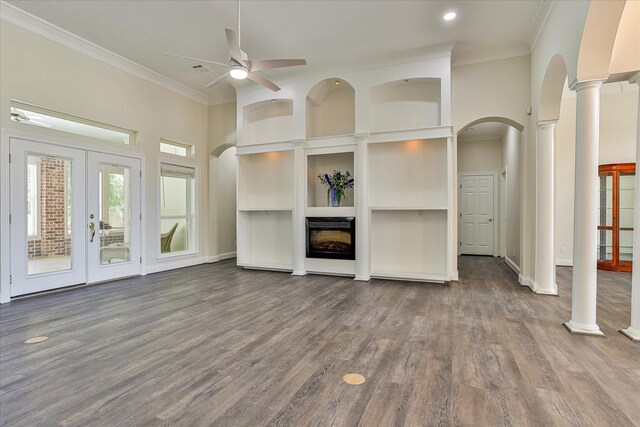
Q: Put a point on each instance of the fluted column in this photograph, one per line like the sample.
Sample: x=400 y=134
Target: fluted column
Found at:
x=545 y=281
x=584 y=287
x=633 y=331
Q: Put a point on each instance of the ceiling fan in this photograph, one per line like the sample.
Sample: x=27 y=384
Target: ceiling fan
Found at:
x=241 y=67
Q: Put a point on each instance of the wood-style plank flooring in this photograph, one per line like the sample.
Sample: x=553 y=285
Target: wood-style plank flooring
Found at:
x=214 y=345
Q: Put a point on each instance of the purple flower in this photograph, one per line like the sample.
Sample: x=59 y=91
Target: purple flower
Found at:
x=326 y=176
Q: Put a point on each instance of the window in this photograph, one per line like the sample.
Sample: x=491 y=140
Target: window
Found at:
x=177 y=209
x=42 y=117
x=33 y=199
x=176 y=148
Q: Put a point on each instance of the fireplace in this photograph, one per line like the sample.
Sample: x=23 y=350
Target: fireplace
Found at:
x=333 y=238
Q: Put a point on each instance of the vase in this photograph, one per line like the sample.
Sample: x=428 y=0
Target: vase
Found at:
x=334 y=197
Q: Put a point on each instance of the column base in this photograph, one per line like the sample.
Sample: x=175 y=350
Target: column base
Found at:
x=537 y=289
x=362 y=278
x=299 y=273
x=577 y=328
x=631 y=333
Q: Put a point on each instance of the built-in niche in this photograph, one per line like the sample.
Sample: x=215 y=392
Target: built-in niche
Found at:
x=405 y=104
x=265 y=181
x=268 y=121
x=331 y=109
x=319 y=164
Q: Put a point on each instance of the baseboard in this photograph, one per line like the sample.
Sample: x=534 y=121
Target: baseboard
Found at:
x=454 y=276
x=166 y=266
x=525 y=281
x=564 y=262
x=512 y=265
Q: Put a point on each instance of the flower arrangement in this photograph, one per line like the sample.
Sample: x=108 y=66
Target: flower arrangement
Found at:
x=336 y=184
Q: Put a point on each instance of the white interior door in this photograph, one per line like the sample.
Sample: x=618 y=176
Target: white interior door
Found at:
x=476 y=215
x=113 y=217
x=47 y=217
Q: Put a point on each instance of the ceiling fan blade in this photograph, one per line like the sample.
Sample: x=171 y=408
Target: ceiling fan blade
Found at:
x=259 y=78
x=196 y=59
x=234 y=46
x=217 y=80
x=265 y=64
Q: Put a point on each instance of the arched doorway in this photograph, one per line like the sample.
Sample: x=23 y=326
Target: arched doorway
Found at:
x=222 y=205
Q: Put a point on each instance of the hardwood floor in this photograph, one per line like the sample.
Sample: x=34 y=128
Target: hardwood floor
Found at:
x=217 y=345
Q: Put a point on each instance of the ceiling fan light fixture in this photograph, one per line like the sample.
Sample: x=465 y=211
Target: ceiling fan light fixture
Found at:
x=238 y=72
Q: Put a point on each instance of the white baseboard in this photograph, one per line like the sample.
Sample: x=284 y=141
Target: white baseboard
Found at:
x=512 y=265
x=525 y=281
x=220 y=257
x=564 y=262
x=454 y=276
x=172 y=265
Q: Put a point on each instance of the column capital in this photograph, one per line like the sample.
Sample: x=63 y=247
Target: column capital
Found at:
x=541 y=124
x=584 y=83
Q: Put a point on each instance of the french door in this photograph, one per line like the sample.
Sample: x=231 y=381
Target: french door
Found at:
x=75 y=216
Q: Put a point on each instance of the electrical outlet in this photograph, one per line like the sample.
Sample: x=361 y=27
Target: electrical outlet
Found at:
x=563 y=250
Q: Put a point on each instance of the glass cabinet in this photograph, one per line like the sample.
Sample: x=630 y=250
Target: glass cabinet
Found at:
x=615 y=216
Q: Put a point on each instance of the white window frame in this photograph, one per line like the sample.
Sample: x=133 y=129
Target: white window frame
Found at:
x=192 y=217
x=38 y=207
x=189 y=149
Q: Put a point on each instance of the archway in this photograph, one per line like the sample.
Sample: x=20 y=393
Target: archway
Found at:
x=222 y=201
x=489 y=149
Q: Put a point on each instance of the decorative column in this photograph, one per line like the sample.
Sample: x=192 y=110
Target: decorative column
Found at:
x=299 y=176
x=362 y=208
x=585 y=220
x=633 y=331
x=545 y=280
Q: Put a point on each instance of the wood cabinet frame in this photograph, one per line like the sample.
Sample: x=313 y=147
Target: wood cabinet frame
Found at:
x=615 y=170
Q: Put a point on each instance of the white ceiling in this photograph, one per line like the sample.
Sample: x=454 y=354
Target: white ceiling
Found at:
x=329 y=34
x=488 y=131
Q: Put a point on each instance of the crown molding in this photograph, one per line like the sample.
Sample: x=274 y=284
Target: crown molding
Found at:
x=538 y=24
x=54 y=33
x=506 y=52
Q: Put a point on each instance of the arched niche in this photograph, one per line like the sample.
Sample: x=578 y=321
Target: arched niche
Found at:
x=268 y=121
x=552 y=86
x=331 y=109
x=405 y=104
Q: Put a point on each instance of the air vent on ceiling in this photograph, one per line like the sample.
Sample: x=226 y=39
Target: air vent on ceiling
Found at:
x=200 y=68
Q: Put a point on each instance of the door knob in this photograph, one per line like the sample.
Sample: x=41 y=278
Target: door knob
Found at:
x=92 y=227
x=490 y=219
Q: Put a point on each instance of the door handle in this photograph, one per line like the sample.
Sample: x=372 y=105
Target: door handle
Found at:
x=92 y=227
x=490 y=219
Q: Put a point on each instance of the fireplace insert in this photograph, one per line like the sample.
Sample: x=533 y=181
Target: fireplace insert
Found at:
x=331 y=237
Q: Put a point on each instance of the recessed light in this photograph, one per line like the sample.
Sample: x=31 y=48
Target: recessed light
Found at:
x=449 y=16
x=337 y=82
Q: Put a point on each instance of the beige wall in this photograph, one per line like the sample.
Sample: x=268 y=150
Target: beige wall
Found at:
x=480 y=156
x=618 y=124
x=223 y=163
x=36 y=70
x=500 y=89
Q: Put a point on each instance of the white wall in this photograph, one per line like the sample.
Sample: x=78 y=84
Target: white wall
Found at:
x=618 y=124
x=480 y=156
x=512 y=157
x=39 y=71
x=499 y=89
x=223 y=165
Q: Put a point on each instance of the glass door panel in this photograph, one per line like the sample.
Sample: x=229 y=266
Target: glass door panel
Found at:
x=47 y=204
x=114 y=213
x=114 y=217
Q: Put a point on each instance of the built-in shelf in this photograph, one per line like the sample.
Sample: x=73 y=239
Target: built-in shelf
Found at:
x=409 y=244
x=405 y=104
x=408 y=208
x=268 y=121
x=402 y=275
x=319 y=164
x=265 y=239
x=265 y=179
x=408 y=173
x=330 y=109
x=328 y=211
x=265 y=209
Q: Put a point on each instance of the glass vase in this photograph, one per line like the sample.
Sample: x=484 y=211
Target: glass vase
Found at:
x=334 y=197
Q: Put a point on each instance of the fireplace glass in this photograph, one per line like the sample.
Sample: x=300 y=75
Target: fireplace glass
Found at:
x=332 y=238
